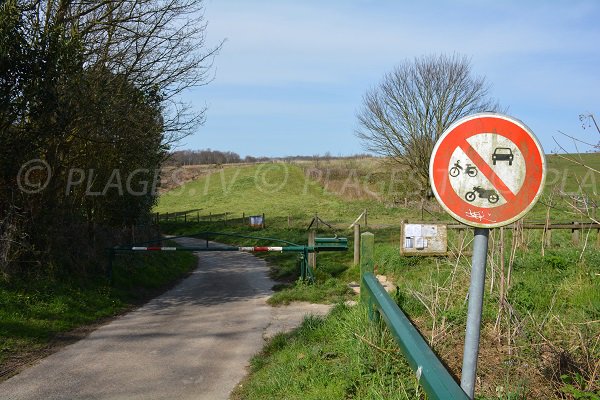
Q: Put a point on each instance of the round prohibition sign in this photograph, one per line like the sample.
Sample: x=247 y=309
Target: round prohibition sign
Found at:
x=487 y=170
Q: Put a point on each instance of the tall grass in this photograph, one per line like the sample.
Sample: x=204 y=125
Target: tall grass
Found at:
x=342 y=356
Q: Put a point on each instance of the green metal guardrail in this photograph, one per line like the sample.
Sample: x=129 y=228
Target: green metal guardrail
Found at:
x=431 y=373
x=306 y=273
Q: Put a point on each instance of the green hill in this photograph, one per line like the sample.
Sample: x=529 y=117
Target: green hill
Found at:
x=277 y=189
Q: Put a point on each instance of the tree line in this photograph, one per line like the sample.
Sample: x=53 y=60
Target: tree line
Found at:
x=208 y=156
x=88 y=112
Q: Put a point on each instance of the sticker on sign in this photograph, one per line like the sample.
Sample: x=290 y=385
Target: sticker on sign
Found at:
x=487 y=170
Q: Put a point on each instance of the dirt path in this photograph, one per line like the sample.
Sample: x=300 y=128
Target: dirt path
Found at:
x=193 y=342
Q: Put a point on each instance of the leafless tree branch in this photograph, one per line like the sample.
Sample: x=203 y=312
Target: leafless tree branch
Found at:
x=406 y=113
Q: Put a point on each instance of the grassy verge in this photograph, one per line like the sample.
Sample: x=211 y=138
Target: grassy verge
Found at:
x=37 y=315
x=342 y=356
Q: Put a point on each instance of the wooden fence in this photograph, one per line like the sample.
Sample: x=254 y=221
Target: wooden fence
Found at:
x=226 y=218
x=575 y=227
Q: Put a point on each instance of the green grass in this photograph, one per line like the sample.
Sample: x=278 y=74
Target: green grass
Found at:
x=568 y=175
x=278 y=189
x=34 y=312
x=323 y=291
x=342 y=356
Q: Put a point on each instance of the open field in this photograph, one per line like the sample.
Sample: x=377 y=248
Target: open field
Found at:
x=543 y=342
x=278 y=189
x=339 y=190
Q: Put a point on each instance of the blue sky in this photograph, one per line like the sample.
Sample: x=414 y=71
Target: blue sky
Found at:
x=291 y=75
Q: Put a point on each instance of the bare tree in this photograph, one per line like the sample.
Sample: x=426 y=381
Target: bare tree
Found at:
x=406 y=113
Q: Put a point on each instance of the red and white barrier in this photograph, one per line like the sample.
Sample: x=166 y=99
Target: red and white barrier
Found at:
x=254 y=249
x=154 y=248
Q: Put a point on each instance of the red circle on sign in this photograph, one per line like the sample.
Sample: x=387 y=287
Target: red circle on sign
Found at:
x=516 y=206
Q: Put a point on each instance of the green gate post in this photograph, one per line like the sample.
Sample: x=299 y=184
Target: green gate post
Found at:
x=367 y=240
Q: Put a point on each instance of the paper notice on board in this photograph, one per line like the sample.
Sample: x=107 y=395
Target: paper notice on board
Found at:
x=419 y=242
x=430 y=230
x=412 y=230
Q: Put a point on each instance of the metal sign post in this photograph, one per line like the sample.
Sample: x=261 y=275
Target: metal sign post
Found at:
x=486 y=170
x=476 y=289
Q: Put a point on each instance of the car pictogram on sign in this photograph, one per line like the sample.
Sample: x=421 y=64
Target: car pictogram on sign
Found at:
x=503 y=154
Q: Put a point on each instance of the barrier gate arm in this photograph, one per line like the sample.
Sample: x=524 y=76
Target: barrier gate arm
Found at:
x=321 y=245
x=247 y=249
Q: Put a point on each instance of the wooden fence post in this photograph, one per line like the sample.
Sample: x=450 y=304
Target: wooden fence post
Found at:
x=367 y=264
x=575 y=234
x=548 y=237
x=312 y=257
x=357 y=244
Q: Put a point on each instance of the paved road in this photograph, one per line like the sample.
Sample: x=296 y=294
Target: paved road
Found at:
x=193 y=342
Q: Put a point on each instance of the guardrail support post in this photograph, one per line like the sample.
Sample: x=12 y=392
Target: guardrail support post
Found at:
x=367 y=240
x=356 y=244
x=476 y=290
